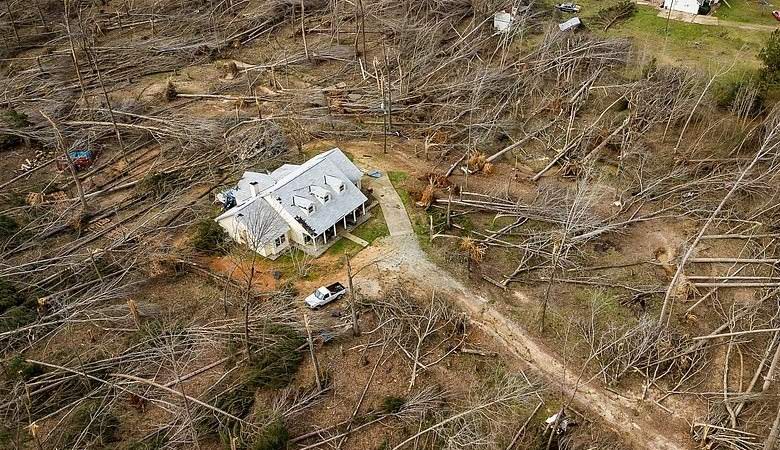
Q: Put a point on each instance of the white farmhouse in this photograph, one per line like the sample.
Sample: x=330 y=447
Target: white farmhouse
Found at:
x=688 y=6
x=303 y=205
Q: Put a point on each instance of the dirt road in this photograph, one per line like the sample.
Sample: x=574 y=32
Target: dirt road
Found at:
x=399 y=255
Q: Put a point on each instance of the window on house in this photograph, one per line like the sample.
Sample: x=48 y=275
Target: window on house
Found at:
x=310 y=209
x=326 y=198
x=280 y=240
x=341 y=187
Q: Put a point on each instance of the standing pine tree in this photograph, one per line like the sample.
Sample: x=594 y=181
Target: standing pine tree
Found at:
x=770 y=56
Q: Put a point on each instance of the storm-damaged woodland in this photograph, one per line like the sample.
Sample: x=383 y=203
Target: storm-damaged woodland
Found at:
x=591 y=261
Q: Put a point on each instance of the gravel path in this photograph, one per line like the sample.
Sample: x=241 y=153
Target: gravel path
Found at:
x=399 y=255
x=392 y=207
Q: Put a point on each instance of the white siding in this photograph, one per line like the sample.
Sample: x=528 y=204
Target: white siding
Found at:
x=689 y=6
x=231 y=227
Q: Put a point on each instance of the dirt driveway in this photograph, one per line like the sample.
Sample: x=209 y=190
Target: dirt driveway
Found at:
x=399 y=256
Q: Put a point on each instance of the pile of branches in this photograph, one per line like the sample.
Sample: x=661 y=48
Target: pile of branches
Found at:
x=656 y=352
x=610 y=15
x=423 y=334
x=486 y=418
x=146 y=372
x=255 y=144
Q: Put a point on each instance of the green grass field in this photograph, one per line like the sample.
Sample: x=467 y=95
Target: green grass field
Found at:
x=705 y=47
x=749 y=11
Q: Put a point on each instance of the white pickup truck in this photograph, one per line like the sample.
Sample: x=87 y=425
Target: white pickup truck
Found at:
x=324 y=295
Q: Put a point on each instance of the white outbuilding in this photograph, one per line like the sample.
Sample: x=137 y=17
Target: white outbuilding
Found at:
x=688 y=6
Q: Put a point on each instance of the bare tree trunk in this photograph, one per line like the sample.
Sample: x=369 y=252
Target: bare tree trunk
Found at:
x=73 y=53
x=314 y=360
x=771 y=440
x=247 y=297
x=64 y=150
x=352 y=299
x=40 y=15
x=449 y=210
x=363 y=27
x=770 y=374
x=133 y=307
x=91 y=58
x=187 y=407
x=546 y=299
x=303 y=30
x=766 y=147
x=13 y=21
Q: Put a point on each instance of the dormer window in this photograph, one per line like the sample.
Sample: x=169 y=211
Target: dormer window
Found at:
x=335 y=183
x=304 y=203
x=320 y=193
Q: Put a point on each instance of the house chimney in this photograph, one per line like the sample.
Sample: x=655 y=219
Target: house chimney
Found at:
x=254 y=189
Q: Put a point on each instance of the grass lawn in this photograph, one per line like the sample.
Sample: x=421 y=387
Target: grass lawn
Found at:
x=372 y=229
x=702 y=46
x=705 y=47
x=398 y=179
x=750 y=11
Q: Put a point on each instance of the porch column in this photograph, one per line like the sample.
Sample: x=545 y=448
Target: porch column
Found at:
x=354 y=217
x=364 y=209
x=345 y=222
x=325 y=237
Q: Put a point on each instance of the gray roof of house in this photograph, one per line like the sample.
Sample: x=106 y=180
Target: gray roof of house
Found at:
x=260 y=219
x=299 y=184
x=243 y=190
x=283 y=171
x=291 y=181
x=335 y=156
